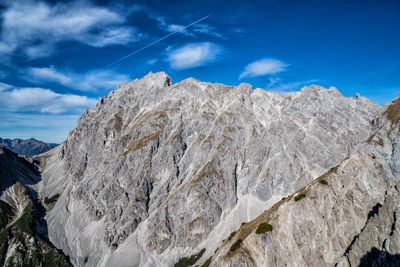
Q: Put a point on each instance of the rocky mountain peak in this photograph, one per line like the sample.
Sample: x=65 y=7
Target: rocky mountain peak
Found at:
x=161 y=78
x=158 y=171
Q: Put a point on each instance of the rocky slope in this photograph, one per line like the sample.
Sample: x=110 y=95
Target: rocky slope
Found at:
x=346 y=217
x=156 y=172
x=23 y=231
x=29 y=147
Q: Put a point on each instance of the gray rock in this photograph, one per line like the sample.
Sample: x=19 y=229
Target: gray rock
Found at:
x=157 y=171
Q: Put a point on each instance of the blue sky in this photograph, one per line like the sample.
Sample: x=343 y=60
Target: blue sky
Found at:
x=53 y=54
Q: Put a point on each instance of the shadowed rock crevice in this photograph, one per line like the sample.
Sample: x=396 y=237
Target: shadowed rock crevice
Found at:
x=380 y=258
x=374 y=211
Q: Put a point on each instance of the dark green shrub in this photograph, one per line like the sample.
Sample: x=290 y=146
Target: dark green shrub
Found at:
x=207 y=262
x=231 y=235
x=53 y=199
x=184 y=262
x=322 y=181
x=236 y=245
x=264 y=228
x=299 y=196
x=7 y=214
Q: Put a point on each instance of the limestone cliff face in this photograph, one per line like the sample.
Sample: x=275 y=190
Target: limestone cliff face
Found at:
x=156 y=172
x=346 y=217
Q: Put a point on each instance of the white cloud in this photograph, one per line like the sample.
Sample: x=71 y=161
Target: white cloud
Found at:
x=276 y=84
x=43 y=100
x=35 y=28
x=193 y=55
x=49 y=74
x=91 y=81
x=5 y=86
x=263 y=67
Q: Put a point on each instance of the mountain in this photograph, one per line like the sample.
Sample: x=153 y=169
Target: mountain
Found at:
x=194 y=173
x=162 y=174
x=23 y=231
x=29 y=147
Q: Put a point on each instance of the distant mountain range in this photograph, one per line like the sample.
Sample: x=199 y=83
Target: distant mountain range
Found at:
x=29 y=147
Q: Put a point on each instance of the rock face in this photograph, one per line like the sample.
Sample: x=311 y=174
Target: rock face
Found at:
x=29 y=147
x=346 y=217
x=156 y=172
x=23 y=232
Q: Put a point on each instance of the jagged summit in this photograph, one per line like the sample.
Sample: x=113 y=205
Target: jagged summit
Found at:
x=156 y=172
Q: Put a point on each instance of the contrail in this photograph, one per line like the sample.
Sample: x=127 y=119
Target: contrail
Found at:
x=159 y=40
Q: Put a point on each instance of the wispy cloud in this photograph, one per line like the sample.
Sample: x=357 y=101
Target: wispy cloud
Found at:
x=152 y=61
x=196 y=30
x=178 y=28
x=5 y=86
x=276 y=84
x=193 y=55
x=42 y=100
x=237 y=30
x=207 y=29
x=49 y=74
x=263 y=67
x=94 y=80
x=35 y=28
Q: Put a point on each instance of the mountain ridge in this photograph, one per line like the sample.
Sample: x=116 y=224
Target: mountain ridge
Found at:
x=23 y=231
x=156 y=172
x=197 y=126
x=29 y=147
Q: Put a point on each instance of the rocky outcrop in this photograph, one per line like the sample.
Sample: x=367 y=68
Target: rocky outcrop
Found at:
x=156 y=171
x=29 y=147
